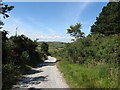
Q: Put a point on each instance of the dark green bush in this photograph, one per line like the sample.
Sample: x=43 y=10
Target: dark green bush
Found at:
x=19 y=54
x=95 y=51
x=10 y=75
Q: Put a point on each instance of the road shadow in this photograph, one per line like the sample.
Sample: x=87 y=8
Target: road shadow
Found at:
x=30 y=80
x=46 y=64
x=34 y=72
x=34 y=80
x=58 y=60
x=34 y=89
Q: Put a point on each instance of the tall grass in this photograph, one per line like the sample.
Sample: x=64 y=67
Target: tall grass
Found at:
x=80 y=76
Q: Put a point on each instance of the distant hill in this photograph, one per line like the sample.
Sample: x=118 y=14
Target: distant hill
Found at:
x=54 y=46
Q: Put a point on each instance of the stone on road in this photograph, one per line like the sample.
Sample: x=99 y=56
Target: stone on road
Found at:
x=45 y=75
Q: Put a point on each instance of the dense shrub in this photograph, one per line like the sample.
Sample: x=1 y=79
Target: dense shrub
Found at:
x=103 y=49
x=97 y=57
x=10 y=74
x=19 y=55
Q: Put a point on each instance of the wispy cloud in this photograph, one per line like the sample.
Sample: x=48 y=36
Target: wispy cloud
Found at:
x=82 y=8
x=46 y=30
x=29 y=31
x=54 y=38
x=23 y=28
x=74 y=14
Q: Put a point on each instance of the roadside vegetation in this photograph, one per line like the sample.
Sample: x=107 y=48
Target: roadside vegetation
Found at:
x=93 y=61
x=93 y=66
x=19 y=54
x=88 y=62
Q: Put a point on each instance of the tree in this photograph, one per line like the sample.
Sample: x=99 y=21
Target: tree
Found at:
x=20 y=45
x=3 y=10
x=75 y=31
x=4 y=47
x=44 y=48
x=108 y=21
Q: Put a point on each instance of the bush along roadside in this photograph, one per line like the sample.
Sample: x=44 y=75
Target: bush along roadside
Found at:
x=19 y=56
x=92 y=62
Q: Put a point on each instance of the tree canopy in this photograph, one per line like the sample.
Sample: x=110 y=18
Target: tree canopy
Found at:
x=3 y=10
x=44 y=48
x=108 y=21
x=75 y=31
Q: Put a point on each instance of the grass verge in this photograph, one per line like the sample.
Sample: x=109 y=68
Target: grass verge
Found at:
x=80 y=76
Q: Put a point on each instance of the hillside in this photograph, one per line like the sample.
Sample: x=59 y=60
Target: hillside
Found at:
x=54 y=46
x=93 y=61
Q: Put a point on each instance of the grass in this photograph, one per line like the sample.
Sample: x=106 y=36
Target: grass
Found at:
x=79 y=76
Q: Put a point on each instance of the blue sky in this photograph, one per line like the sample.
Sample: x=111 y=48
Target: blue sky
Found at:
x=48 y=21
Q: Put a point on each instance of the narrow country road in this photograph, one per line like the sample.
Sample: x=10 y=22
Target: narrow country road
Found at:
x=45 y=75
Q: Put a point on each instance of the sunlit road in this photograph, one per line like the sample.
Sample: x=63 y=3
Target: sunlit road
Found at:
x=45 y=75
